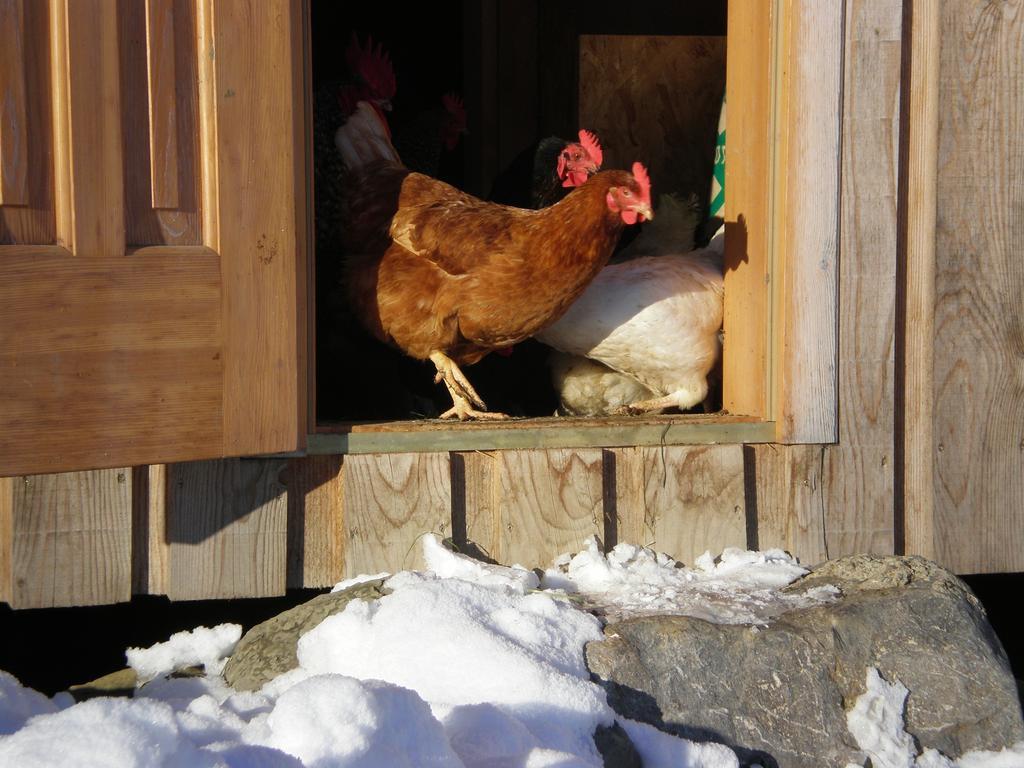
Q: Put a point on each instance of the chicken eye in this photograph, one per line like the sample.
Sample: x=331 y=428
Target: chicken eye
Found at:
x=626 y=193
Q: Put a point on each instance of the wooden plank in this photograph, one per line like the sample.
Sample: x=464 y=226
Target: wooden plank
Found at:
x=750 y=74
x=859 y=506
x=550 y=502
x=25 y=65
x=88 y=32
x=476 y=503
x=979 y=290
x=71 y=539
x=95 y=350
x=316 y=521
x=391 y=501
x=163 y=129
x=259 y=239
x=410 y=437
x=14 y=135
x=150 y=548
x=6 y=538
x=805 y=283
x=789 y=493
x=683 y=500
x=918 y=350
x=160 y=121
x=226 y=529
x=656 y=99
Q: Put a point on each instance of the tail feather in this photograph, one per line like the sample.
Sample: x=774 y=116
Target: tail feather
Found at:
x=364 y=138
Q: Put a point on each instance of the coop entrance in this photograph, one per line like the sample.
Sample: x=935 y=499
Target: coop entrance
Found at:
x=650 y=83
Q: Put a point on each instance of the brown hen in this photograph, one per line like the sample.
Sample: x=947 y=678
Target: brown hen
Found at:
x=447 y=277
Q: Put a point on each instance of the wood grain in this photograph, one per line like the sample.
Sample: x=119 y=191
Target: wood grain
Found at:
x=163 y=130
x=806 y=280
x=922 y=136
x=26 y=127
x=150 y=547
x=316 y=521
x=113 y=361
x=7 y=538
x=13 y=125
x=476 y=502
x=391 y=501
x=94 y=130
x=550 y=502
x=71 y=539
x=682 y=500
x=749 y=83
x=259 y=156
x=979 y=290
x=226 y=524
x=860 y=505
x=160 y=120
x=656 y=99
x=790 y=494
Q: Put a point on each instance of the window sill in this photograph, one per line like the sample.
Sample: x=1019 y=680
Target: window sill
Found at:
x=549 y=432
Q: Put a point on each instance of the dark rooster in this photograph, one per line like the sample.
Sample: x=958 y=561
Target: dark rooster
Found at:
x=547 y=171
x=447 y=277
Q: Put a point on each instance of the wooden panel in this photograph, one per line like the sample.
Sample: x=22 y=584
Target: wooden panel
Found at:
x=859 y=505
x=390 y=502
x=226 y=528
x=682 y=501
x=550 y=502
x=918 y=338
x=749 y=83
x=13 y=127
x=789 y=492
x=655 y=99
x=87 y=31
x=979 y=291
x=26 y=126
x=809 y=230
x=316 y=522
x=163 y=129
x=159 y=41
x=94 y=353
x=71 y=539
x=263 y=261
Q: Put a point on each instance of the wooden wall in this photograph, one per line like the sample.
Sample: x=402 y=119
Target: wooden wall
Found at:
x=256 y=527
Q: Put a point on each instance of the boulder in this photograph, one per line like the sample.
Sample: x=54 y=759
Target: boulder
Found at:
x=777 y=694
x=269 y=649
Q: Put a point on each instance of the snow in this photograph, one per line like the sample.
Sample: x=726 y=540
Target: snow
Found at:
x=741 y=587
x=203 y=646
x=876 y=722
x=462 y=665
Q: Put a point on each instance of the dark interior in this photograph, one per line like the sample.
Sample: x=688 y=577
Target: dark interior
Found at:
x=517 y=67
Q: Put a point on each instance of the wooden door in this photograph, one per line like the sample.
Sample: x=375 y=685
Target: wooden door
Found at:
x=152 y=271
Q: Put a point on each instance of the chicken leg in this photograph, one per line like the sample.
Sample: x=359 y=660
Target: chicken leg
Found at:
x=464 y=397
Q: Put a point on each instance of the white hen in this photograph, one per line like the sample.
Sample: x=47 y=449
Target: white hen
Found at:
x=655 y=320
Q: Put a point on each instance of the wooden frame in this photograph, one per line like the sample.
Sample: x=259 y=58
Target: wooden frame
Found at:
x=782 y=208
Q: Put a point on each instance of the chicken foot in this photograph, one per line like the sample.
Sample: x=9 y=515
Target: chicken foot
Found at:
x=464 y=397
x=681 y=399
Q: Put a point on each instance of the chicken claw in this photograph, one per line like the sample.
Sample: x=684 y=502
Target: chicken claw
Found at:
x=464 y=397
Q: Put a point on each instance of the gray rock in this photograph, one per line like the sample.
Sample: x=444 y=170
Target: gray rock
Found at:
x=778 y=694
x=269 y=649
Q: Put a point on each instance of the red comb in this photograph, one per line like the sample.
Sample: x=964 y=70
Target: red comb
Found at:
x=453 y=105
x=643 y=181
x=590 y=143
x=372 y=66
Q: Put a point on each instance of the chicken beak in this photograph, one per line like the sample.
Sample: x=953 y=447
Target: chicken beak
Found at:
x=645 y=211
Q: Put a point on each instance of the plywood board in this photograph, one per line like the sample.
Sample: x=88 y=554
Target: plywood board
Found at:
x=71 y=539
x=979 y=290
x=226 y=529
x=316 y=524
x=391 y=501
